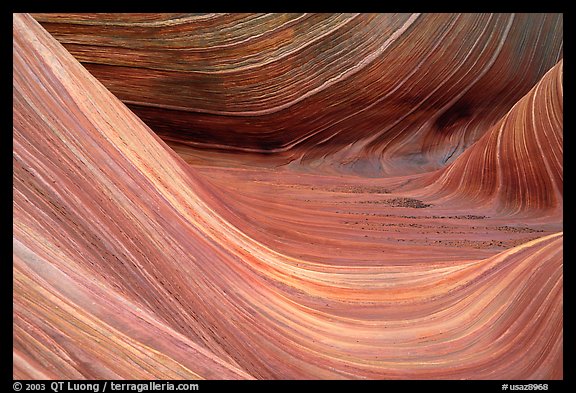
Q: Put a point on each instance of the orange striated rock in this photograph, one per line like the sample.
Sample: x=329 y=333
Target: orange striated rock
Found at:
x=517 y=164
x=130 y=262
x=369 y=94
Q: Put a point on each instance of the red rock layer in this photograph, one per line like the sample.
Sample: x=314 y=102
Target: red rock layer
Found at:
x=370 y=94
x=130 y=263
x=102 y=260
x=517 y=165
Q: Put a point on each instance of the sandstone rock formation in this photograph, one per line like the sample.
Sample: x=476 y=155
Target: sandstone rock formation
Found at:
x=288 y=196
x=370 y=94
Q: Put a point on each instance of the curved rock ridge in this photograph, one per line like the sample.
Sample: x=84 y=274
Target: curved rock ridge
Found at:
x=131 y=263
x=517 y=165
x=370 y=94
x=95 y=247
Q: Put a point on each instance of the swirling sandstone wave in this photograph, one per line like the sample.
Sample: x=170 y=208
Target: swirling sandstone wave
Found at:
x=517 y=165
x=131 y=263
x=357 y=93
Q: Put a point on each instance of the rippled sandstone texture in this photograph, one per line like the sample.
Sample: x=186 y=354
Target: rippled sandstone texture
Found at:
x=370 y=94
x=390 y=246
